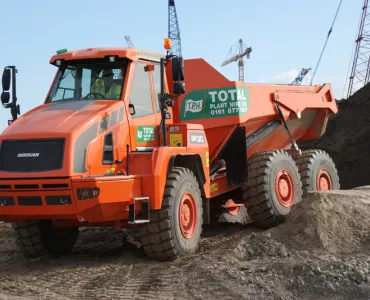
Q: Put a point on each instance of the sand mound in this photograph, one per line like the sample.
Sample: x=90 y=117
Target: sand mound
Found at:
x=347 y=139
x=336 y=221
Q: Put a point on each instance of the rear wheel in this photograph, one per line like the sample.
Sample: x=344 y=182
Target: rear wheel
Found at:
x=275 y=185
x=175 y=229
x=318 y=171
x=36 y=238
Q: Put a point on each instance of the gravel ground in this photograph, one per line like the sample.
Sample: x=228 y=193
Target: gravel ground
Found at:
x=320 y=252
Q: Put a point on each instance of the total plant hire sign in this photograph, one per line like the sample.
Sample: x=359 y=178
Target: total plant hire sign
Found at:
x=214 y=103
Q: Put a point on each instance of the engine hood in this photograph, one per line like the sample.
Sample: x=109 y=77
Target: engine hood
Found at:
x=57 y=118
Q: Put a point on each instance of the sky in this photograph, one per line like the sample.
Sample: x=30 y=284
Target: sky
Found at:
x=285 y=37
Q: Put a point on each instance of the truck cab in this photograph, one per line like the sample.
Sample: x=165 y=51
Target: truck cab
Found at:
x=102 y=117
x=95 y=153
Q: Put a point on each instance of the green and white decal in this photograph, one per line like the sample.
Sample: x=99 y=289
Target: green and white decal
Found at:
x=148 y=55
x=215 y=103
x=145 y=134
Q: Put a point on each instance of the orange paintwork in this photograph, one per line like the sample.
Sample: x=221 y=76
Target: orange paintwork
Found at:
x=146 y=174
x=293 y=99
x=133 y=54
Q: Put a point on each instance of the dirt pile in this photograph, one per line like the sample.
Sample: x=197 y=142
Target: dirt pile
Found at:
x=337 y=222
x=322 y=249
x=347 y=139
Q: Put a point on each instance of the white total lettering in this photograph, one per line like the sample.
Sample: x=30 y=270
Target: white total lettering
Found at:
x=232 y=94
x=222 y=95
x=241 y=95
x=213 y=95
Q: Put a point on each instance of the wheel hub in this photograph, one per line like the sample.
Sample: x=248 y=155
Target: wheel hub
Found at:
x=231 y=207
x=187 y=215
x=284 y=188
x=323 y=180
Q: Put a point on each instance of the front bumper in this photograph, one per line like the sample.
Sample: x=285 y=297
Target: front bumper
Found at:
x=60 y=199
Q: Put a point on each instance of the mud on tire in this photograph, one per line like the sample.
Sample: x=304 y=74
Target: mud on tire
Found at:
x=275 y=185
x=318 y=171
x=171 y=234
x=37 y=238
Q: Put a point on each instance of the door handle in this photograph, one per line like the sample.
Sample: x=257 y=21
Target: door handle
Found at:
x=132 y=109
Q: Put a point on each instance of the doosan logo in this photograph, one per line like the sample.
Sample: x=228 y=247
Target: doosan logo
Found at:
x=28 y=154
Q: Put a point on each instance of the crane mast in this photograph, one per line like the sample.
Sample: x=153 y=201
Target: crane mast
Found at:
x=174 y=29
x=360 y=72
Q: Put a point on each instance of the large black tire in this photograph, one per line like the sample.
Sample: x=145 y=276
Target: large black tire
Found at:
x=314 y=165
x=36 y=238
x=162 y=238
x=240 y=217
x=267 y=207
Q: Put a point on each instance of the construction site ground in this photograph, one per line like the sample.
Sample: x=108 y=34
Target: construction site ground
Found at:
x=320 y=252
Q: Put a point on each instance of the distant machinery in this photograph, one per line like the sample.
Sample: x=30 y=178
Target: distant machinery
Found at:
x=238 y=55
x=298 y=80
x=129 y=42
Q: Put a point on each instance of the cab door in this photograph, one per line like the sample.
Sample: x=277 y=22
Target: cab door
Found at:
x=143 y=121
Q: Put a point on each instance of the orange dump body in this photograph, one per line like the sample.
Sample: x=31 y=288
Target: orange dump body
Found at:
x=221 y=105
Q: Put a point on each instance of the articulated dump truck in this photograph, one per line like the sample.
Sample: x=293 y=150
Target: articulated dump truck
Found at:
x=133 y=139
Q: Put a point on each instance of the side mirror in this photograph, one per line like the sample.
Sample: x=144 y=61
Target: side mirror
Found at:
x=179 y=88
x=5 y=97
x=177 y=68
x=9 y=76
x=6 y=80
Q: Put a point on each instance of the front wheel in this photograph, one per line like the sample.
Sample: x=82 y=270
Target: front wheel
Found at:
x=175 y=229
x=36 y=238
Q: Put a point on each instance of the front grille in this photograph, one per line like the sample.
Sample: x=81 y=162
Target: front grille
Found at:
x=29 y=201
x=58 y=200
x=7 y=201
x=26 y=186
x=55 y=186
x=31 y=155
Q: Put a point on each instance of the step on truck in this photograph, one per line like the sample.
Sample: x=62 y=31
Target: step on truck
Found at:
x=130 y=138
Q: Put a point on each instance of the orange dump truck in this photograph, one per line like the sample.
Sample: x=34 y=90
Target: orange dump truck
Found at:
x=134 y=139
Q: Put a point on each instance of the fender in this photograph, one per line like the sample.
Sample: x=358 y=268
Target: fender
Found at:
x=194 y=163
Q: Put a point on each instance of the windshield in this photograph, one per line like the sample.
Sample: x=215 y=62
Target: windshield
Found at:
x=89 y=81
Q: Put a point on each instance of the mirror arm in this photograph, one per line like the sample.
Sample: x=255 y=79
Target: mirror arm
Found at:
x=14 y=110
x=163 y=102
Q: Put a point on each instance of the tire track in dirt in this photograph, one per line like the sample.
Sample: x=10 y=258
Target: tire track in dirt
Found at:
x=101 y=268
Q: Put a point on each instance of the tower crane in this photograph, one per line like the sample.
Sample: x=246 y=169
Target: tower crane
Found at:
x=174 y=29
x=129 y=42
x=238 y=55
x=360 y=72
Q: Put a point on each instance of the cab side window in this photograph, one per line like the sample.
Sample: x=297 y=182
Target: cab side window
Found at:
x=140 y=95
